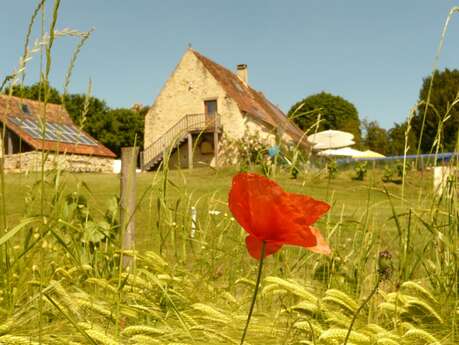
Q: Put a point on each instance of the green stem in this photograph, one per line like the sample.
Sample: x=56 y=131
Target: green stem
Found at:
x=359 y=309
x=257 y=284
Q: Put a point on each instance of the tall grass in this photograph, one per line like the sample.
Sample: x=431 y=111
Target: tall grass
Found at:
x=392 y=277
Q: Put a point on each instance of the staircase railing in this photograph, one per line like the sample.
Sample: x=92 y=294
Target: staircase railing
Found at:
x=188 y=123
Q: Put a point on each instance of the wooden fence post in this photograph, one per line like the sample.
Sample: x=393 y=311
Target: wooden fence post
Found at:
x=190 y=150
x=127 y=202
x=216 y=141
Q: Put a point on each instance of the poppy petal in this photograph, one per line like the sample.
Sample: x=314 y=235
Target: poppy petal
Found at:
x=310 y=208
x=270 y=214
x=238 y=202
x=295 y=215
x=322 y=246
x=254 y=247
x=252 y=201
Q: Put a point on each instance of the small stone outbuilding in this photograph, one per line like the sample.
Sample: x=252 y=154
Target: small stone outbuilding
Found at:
x=30 y=129
x=200 y=103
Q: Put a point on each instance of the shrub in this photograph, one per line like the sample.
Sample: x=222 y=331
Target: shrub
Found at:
x=248 y=151
x=332 y=169
x=388 y=174
x=360 y=171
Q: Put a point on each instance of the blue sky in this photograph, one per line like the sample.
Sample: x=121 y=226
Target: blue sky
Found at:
x=373 y=53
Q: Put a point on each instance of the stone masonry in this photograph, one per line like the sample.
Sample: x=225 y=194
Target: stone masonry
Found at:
x=32 y=161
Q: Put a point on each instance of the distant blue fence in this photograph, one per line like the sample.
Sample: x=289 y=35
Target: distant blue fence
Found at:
x=446 y=156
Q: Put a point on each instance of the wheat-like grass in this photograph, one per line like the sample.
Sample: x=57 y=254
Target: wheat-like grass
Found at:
x=215 y=314
x=424 y=307
x=292 y=287
x=17 y=340
x=418 y=288
x=141 y=339
x=420 y=335
x=386 y=341
x=306 y=307
x=6 y=326
x=143 y=330
x=332 y=335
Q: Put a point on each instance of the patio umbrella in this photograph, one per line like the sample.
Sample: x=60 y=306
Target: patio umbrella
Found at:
x=371 y=154
x=330 y=139
x=342 y=152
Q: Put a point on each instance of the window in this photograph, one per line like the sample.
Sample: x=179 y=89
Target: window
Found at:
x=210 y=107
x=25 y=109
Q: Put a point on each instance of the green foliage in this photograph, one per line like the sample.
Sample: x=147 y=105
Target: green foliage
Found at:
x=394 y=174
x=85 y=110
x=36 y=92
x=332 y=169
x=400 y=169
x=294 y=172
x=336 y=113
x=441 y=105
x=248 y=151
x=388 y=174
x=76 y=213
x=119 y=128
x=375 y=137
x=397 y=137
x=360 y=169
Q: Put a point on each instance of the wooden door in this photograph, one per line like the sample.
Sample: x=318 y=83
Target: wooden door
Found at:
x=210 y=111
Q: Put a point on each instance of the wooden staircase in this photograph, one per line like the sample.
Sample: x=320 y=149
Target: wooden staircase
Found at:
x=176 y=135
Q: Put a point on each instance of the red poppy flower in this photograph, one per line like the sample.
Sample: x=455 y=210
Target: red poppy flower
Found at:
x=270 y=214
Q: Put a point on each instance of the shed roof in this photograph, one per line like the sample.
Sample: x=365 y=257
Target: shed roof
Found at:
x=250 y=101
x=16 y=112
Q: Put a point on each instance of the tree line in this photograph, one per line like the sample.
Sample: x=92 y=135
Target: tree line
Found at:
x=433 y=124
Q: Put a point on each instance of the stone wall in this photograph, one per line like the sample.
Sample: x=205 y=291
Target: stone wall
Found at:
x=32 y=161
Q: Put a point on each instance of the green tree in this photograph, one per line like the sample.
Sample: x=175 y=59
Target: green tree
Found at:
x=336 y=113
x=119 y=128
x=441 y=113
x=84 y=110
x=36 y=92
x=397 y=135
x=375 y=138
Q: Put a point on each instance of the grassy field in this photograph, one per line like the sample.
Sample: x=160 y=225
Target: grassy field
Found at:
x=62 y=276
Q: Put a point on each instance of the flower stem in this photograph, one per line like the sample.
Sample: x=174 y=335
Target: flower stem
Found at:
x=257 y=284
x=359 y=309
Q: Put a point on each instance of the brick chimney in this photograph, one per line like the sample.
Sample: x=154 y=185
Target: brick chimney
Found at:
x=243 y=73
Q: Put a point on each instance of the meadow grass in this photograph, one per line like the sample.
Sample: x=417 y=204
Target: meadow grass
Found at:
x=190 y=290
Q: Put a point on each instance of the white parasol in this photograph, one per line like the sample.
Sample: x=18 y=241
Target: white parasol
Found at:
x=371 y=154
x=343 y=152
x=330 y=139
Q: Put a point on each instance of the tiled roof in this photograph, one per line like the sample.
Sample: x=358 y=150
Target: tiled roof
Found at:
x=250 y=101
x=12 y=106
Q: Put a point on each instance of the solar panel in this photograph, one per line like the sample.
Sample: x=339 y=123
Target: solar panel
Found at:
x=52 y=131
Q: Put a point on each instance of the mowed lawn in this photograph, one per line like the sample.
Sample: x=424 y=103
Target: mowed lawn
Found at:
x=353 y=202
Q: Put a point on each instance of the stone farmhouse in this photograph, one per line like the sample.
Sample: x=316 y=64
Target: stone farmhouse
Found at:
x=29 y=131
x=201 y=103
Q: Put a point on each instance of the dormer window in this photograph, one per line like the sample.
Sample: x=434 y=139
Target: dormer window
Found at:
x=25 y=109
